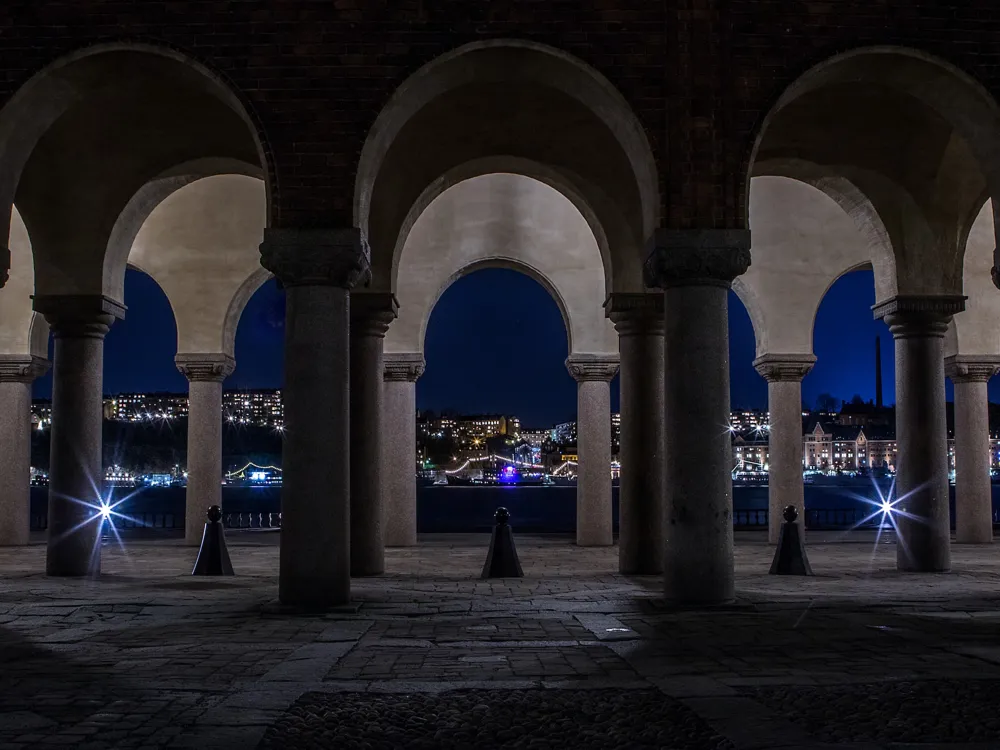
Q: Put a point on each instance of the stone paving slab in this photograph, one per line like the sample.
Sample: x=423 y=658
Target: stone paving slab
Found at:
x=148 y=656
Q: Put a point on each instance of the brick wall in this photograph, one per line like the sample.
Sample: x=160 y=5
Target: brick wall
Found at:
x=700 y=74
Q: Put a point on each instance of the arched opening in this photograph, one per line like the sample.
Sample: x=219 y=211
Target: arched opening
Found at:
x=84 y=136
x=904 y=141
x=514 y=96
x=496 y=384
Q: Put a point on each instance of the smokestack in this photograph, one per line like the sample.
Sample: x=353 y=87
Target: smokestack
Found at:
x=878 y=372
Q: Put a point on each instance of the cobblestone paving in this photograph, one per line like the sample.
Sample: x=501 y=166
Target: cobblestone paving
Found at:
x=935 y=711
x=858 y=656
x=597 y=719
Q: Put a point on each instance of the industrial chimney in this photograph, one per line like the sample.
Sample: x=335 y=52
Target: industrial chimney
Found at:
x=878 y=373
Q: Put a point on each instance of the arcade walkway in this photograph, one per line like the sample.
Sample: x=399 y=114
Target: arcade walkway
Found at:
x=859 y=656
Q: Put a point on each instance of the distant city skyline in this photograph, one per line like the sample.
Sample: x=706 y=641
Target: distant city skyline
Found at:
x=496 y=343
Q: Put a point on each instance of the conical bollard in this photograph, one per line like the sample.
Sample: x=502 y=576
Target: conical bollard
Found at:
x=502 y=562
x=213 y=557
x=790 y=557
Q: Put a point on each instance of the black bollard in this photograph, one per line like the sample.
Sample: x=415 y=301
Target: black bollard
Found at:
x=213 y=557
x=502 y=562
x=790 y=557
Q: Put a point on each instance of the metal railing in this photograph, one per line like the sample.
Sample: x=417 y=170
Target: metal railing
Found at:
x=174 y=522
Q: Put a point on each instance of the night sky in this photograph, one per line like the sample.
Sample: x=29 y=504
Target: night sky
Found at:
x=496 y=343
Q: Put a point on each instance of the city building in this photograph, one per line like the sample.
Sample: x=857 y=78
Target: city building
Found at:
x=141 y=407
x=262 y=407
x=748 y=420
x=848 y=448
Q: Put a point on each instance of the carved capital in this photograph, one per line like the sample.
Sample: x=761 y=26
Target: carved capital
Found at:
x=403 y=368
x=4 y=265
x=372 y=312
x=639 y=314
x=22 y=368
x=585 y=367
x=911 y=315
x=205 y=367
x=784 y=367
x=696 y=257
x=78 y=315
x=966 y=368
x=316 y=257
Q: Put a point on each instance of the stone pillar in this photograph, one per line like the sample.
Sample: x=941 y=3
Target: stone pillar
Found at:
x=784 y=373
x=371 y=315
x=918 y=325
x=593 y=373
x=638 y=319
x=696 y=268
x=17 y=372
x=78 y=324
x=317 y=268
x=973 y=489
x=399 y=448
x=205 y=373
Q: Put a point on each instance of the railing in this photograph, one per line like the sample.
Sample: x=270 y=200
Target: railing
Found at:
x=815 y=518
x=173 y=522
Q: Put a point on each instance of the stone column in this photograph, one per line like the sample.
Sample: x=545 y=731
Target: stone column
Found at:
x=78 y=324
x=399 y=448
x=696 y=268
x=17 y=372
x=371 y=315
x=784 y=373
x=638 y=319
x=593 y=373
x=918 y=325
x=205 y=373
x=973 y=489
x=317 y=268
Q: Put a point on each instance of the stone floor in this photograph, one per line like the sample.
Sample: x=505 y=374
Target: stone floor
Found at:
x=571 y=655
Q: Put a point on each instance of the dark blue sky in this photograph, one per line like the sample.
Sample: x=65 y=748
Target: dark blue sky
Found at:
x=496 y=343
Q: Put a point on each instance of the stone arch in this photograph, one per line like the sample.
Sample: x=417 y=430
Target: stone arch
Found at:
x=128 y=113
x=803 y=241
x=503 y=220
x=22 y=332
x=913 y=134
x=548 y=114
x=237 y=305
x=200 y=243
x=975 y=331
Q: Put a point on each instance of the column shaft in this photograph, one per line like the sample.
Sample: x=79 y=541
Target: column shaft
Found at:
x=784 y=373
x=695 y=269
x=317 y=268
x=370 y=318
x=973 y=489
x=75 y=470
x=918 y=325
x=639 y=321
x=399 y=448
x=15 y=460
x=973 y=500
x=205 y=373
x=593 y=487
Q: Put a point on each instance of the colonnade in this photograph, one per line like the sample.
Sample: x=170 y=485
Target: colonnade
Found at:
x=348 y=485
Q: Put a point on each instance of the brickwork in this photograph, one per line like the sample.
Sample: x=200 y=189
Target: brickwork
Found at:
x=700 y=75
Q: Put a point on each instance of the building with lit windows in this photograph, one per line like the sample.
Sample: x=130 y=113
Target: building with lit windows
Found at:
x=144 y=407
x=262 y=408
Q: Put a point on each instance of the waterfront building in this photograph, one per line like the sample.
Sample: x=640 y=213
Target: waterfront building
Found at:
x=142 y=407
x=748 y=420
x=259 y=407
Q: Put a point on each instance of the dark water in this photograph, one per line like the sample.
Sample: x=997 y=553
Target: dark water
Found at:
x=464 y=509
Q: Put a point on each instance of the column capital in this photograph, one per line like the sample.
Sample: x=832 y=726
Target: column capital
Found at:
x=372 y=312
x=316 y=257
x=967 y=368
x=636 y=314
x=696 y=257
x=919 y=314
x=584 y=367
x=205 y=367
x=784 y=367
x=403 y=368
x=78 y=315
x=4 y=265
x=22 y=368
